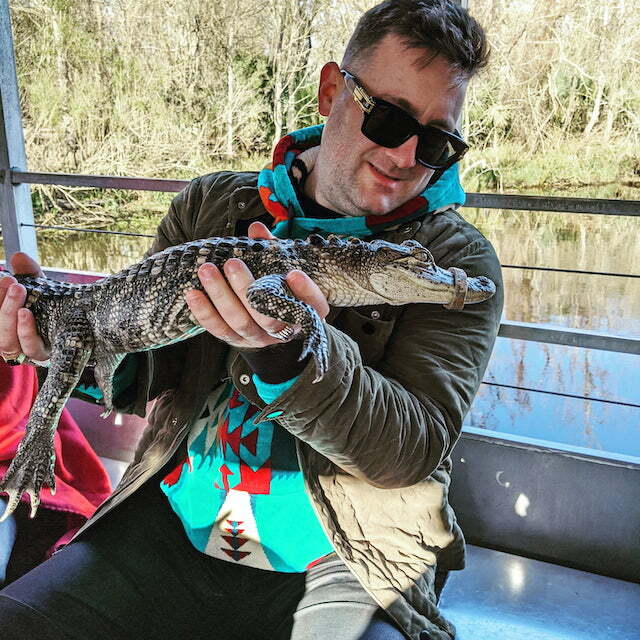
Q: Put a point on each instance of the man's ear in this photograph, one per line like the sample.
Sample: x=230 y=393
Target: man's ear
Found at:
x=330 y=85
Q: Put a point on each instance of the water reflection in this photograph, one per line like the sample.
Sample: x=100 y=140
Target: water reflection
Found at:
x=100 y=253
x=600 y=303
x=582 y=372
x=585 y=242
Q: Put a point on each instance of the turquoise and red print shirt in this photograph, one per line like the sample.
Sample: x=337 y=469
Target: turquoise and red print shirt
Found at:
x=240 y=492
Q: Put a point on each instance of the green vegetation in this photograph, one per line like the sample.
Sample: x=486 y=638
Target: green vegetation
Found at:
x=176 y=89
x=575 y=167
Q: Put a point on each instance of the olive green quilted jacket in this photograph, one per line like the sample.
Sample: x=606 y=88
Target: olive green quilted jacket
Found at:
x=375 y=435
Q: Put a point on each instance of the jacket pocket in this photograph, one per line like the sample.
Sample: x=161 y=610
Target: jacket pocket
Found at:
x=370 y=327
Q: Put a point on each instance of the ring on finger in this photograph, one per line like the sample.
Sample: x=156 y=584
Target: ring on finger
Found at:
x=13 y=357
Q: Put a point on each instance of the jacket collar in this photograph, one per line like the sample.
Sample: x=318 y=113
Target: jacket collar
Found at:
x=293 y=158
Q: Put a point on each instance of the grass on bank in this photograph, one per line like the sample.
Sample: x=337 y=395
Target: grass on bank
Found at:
x=598 y=169
x=574 y=168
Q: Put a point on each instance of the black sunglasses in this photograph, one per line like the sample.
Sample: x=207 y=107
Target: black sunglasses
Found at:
x=390 y=126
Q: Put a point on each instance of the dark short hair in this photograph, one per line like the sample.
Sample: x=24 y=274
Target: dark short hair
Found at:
x=439 y=27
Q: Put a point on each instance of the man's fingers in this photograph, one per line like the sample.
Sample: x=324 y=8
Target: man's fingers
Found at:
x=13 y=300
x=5 y=283
x=23 y=264
x=257 y=230
x=305 y=289
x=205 y=313
x=31 y=343
x=226 y=299
x=225 y=313
x=18 y=332
x=240 y=278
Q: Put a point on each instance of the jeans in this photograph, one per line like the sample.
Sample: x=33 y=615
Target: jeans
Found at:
x=135 y=574
x=7 y=539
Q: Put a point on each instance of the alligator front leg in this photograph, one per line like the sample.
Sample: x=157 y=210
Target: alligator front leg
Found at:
x=33 y=465
x=271 y=296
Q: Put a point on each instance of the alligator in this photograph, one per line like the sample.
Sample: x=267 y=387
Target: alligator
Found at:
x=143 y=307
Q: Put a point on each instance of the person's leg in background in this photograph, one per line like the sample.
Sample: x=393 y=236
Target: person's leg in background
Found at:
x=7 y=540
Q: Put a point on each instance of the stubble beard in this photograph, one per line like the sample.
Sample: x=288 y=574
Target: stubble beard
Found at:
x=342 y=195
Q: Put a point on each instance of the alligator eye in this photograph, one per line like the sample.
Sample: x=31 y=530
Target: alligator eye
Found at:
x=420 y=253
x=391 y=253
x=412 y=244
x=388 y=250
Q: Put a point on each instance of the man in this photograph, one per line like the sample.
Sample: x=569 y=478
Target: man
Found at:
x=310 y=510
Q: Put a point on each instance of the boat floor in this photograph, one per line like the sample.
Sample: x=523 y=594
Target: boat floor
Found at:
x=508 y=597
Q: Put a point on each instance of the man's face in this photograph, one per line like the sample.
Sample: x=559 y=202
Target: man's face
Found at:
x=357 y=177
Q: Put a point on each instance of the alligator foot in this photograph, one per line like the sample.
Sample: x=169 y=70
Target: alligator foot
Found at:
x=315 y=343
x=30 y=470
x=271 y=296
x=106 y=365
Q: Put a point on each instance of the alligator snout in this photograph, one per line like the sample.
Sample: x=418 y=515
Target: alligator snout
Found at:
x=482 y=287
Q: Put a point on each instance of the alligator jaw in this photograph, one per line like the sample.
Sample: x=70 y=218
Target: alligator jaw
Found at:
x=400 y=284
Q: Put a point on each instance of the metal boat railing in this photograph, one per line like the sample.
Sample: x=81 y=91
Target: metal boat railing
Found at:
x=508 y=329
x=559 y=531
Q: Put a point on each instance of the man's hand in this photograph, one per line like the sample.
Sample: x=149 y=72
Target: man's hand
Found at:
x=224 y=311
x=18 y=332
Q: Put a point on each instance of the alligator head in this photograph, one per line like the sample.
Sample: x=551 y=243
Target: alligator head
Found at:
x=408 y=273
x=396 y=274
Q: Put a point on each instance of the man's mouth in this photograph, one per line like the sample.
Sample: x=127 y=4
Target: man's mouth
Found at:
x=381 y=176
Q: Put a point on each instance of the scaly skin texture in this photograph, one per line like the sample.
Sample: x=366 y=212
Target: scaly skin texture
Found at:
x=143 y=307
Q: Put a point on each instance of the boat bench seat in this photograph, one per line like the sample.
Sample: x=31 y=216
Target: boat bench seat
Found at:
x=500 y=596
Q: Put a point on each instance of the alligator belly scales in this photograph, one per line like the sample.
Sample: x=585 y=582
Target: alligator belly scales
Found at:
x=143 y=307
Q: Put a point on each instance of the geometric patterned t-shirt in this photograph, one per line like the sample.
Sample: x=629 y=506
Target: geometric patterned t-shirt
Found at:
x=240 y=492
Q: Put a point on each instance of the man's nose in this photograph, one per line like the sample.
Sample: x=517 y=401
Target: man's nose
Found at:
x=404 y=156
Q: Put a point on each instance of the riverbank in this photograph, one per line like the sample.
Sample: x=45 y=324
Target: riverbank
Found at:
x=572 y=169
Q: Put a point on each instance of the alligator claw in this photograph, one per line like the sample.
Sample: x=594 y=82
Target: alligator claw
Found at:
x=316 y=344
x=285 y=334
x=14 y=499
x=28 y=473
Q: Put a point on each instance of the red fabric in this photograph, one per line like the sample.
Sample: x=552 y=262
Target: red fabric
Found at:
x=82 y=482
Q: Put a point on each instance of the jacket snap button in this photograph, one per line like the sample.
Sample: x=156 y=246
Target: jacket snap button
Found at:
x=245 y=379
x=242 y=205
x=375 y=315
